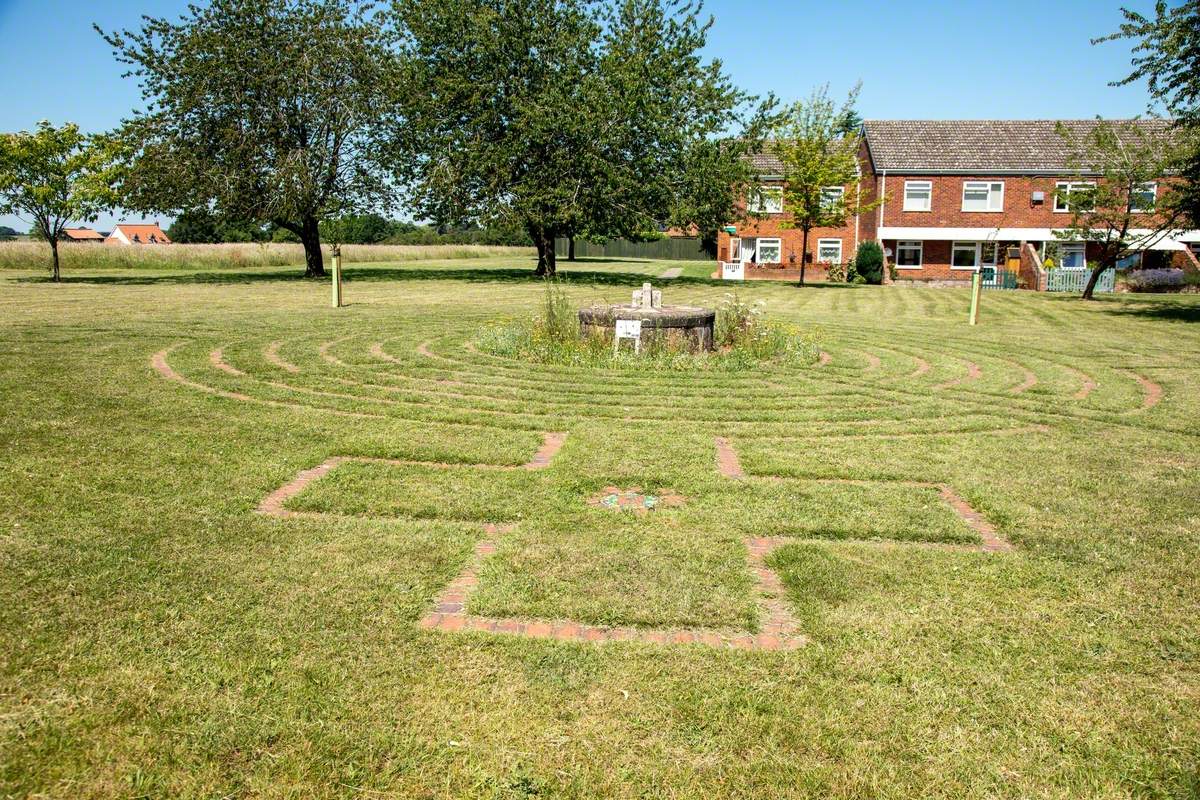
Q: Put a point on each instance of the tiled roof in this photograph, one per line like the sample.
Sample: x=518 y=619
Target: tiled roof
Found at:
x=982 y=146
x=142 y=233
x=766 y=162
x=81 y=234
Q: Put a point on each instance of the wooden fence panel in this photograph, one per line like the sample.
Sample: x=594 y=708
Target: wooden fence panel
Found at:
x=672 y=249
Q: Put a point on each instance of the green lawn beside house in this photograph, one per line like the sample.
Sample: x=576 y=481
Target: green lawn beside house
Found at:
x=159 y=637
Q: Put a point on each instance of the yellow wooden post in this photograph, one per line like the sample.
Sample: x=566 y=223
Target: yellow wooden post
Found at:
x=337 y=276
x=976 y=291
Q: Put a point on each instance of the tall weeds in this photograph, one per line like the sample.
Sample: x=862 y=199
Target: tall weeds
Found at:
x=36 y=255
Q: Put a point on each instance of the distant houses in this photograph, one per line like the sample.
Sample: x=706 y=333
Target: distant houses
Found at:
x=82 y=235
x=144 y=233
x=138 y=234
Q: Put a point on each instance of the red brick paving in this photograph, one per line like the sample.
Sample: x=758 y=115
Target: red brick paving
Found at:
x=781 y=631
x=974 y=373
x=727 y=459
x=1153 y=391
x=217 y=359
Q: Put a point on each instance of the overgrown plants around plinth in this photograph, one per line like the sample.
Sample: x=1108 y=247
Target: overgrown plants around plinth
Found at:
x=743 y=335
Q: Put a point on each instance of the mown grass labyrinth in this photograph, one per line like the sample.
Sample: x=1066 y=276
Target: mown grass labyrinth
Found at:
x=255 y=545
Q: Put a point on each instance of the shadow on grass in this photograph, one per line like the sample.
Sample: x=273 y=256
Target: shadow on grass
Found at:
x=1169 y=311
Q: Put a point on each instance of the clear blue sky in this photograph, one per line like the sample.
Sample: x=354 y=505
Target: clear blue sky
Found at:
x=968 y=59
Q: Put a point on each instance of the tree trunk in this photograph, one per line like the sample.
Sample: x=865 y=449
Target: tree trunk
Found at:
x=571 y=248
x=544 y=242
x=803 y=253
x=314 y=261
x=54 y=274
x=1093 y=279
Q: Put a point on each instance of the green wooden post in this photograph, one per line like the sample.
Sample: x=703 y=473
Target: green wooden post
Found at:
x=337 y=276
x=976 y=286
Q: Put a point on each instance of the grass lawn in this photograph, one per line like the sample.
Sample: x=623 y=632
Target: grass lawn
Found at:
x=160 y=638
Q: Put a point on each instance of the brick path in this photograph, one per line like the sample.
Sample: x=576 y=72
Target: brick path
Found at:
x=780 y=630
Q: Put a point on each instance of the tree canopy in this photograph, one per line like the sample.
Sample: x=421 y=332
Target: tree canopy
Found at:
x=54 y=176
x=569 y=117
x=261 y=111
x=1167 y=56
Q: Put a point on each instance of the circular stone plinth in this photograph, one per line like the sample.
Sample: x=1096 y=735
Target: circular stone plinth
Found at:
x=634 y=499
x=689 y=325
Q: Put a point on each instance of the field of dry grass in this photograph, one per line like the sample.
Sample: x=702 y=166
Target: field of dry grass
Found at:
x=34 y=255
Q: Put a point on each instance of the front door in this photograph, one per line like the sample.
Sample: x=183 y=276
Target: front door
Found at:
x=735 y=250
x=989 y=253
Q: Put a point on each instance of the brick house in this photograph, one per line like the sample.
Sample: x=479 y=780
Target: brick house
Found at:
x=960 y=196
x=145 y=233
x=771 y=251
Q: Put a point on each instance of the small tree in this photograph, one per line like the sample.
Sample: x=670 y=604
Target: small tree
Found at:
x=819 y=155
x=1118 y=213
x=269 y=112
x=55 y=176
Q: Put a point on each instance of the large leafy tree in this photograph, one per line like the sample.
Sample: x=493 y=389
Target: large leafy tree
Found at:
x=264 y=111
x=818 y=144
x=1167 y=56
x=1125 y=206
x=568 y=117
x=54 y=176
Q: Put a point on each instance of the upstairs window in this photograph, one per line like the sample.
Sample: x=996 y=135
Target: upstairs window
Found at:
x=918 y=195
x=983 y=196
x=766 y=200
x=1144 y=198
x=1077 y=193
x=832 y=196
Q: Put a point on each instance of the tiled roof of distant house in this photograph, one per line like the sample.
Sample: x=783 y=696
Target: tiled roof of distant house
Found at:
x=144 y=234
x=82 y=235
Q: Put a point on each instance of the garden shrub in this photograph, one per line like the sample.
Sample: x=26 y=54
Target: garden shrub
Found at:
x=868 y=262
x=1155 y=280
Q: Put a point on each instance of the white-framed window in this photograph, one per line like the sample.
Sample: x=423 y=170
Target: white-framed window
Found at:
x=1071 y=255
x=918 y=195
x=983 y=196
x=829 y=251
x=831 y=196
x=1063 y=191
x=964 y=255
x=910 y=255
x=769 y=251
x=766 y=200
x=1144 y=198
